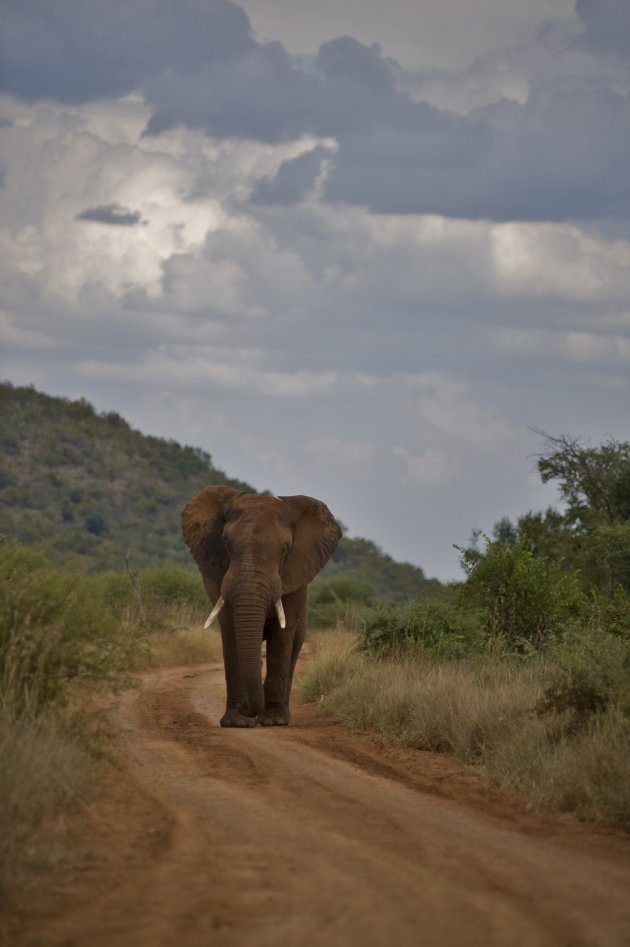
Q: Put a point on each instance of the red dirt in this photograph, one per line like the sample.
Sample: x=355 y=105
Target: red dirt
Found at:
x=312 y=835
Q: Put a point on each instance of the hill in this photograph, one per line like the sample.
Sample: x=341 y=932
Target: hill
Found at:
x=89 y=488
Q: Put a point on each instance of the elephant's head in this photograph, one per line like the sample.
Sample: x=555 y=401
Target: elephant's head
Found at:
x=251 y=550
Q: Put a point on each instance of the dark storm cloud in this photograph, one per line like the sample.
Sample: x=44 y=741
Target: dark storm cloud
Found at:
x=258 y=95
x=263 y=95
x=607 y=25
x=76 y=51
x=562 y=155
x=292 y=182
x=112 y=214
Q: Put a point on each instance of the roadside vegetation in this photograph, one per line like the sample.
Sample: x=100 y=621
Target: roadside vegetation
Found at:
x=523 y=669
x=67 y=642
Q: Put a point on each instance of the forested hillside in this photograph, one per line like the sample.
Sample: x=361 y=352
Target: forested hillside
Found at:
x=90 y=488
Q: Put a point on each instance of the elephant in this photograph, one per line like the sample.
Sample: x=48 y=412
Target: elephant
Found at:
x=257 y=554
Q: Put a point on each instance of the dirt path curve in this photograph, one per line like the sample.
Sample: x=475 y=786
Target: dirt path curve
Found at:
x=311 y=835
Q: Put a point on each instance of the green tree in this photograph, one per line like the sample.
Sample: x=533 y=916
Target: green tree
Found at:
x=504 y=531
x=547 y=534
x=525 y=599
x=594 y=482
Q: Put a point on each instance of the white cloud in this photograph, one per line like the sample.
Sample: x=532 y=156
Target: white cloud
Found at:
x=559 y=261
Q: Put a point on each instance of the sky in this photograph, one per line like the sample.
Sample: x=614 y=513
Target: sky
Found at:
x=355 y=250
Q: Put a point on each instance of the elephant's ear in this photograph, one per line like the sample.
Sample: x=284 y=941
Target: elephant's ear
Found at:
x=315 y=535
x=202 y=525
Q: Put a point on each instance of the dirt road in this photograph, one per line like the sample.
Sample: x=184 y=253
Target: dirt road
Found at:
x=311 y=835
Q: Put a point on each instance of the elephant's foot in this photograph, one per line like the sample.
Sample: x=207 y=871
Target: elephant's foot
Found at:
x=274 y=717
x=234 y=718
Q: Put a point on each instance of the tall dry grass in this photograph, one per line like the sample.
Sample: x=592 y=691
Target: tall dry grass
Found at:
x=44 y=772
x=182 y=639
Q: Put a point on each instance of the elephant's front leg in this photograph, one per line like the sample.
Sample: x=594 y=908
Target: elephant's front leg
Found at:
x=279 y=647
x=283 y=647
x=233 y=680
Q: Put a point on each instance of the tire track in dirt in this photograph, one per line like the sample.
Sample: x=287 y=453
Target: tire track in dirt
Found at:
x=312 y=835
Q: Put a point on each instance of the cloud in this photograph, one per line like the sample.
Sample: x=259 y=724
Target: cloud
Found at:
x=205 y=368
x=74 y=53
x=13 y=335
x=432 y=468
x=581 y=348
x=294 y=179
x=558 y=152
x=333 y=451
x=538 y=161
x=115 y=215
x=607 y=26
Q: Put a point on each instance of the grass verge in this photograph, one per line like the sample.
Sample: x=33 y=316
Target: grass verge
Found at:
x=501 y=715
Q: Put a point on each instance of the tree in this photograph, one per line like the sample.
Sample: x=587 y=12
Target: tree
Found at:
x=594 y=482
x=524 y=599
x=504 y=531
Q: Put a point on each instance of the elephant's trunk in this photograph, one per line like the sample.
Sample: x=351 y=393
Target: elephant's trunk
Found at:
x=249 y=621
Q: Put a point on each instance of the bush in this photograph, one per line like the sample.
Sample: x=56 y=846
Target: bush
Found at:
x=339 y=600
x=526 y=600
x=95 y=523
x=58 y=634
x=591 y=674
x=435 y=627
x=56 y=627
x=170 y=584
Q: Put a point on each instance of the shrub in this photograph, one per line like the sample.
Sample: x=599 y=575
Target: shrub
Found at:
x=526 y=600
x=95 y=523
x=171 y=584
x=339 y=600
x=435 y=627
x=591 y=674
x=55 y=628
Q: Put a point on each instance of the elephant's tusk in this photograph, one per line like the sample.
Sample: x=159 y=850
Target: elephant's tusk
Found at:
x=280 y=614
x=215 y=611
